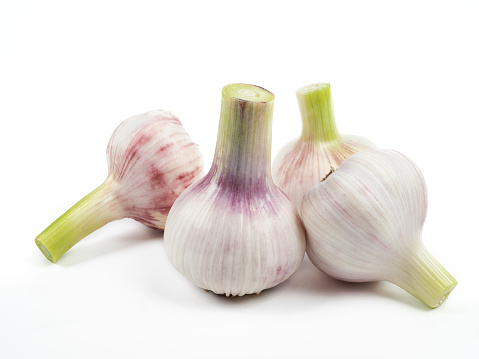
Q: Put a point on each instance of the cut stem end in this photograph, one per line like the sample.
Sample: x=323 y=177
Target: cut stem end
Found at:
x=428 y=280
x=243 y=148
x=250 y=93
x=45 y=251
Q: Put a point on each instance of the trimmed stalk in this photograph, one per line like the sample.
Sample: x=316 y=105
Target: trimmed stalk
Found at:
x=317 y=113
x=427 y=279
x=92 y=212
x=243 y=147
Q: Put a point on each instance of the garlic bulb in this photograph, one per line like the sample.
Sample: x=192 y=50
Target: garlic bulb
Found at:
x=151 y=160
x=234 y=232
x=364 y=223
x=306 y=161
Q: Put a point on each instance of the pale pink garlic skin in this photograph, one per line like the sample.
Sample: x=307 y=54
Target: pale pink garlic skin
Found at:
x=365 y=220
x=151 y=160
x=301 y=164
x=238 y=240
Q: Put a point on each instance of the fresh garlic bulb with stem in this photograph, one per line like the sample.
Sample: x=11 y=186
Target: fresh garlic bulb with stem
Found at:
x=151 y=160
x=234 y=232
x=304 y=162
x=364 y=223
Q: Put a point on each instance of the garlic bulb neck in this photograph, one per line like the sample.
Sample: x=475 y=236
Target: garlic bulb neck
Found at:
x=317 y=113
x=243 y=148
x=425 y=278
x=92 y=212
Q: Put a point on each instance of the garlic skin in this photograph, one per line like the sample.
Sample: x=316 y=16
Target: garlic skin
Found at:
x=364 y=223
x=302 y=163
x=155 y=160
x=234 y=232
x=151 y=160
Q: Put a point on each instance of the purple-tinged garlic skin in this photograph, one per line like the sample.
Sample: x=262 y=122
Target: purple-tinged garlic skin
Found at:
x=304 y=162
x=234 y=232
x=151 y=161
x=301 y=164
x=230 y=241
x=364 y=223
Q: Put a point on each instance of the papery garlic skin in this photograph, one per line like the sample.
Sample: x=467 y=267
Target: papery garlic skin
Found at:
x=155 y=160
x=234 y=232
x=364 y=223
x=151 y=160
x=304 y=162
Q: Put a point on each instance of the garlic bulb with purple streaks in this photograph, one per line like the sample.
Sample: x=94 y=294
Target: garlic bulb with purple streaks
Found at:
x=364 y=223
x=151 y=160
x=306 y=161
x=234 y=232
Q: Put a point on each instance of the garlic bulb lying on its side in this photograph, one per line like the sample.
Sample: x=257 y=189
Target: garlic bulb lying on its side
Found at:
x=234 y=232
x=364 y=223
x=151 y=160
x=306 y=161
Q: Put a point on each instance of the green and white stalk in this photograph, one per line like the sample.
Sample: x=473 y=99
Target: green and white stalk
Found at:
x=305 y=161
x=92 y=212
x=364 y=223
x=234 y=232
x=151 y=160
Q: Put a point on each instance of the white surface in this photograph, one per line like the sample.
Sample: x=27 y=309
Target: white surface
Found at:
x=404 y=74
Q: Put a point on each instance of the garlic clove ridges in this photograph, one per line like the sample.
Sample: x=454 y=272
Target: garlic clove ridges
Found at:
x=234 y=232
x=304 y=162
x=234 y=249
x=154 y=159
x=364 y=223
x=151 y=160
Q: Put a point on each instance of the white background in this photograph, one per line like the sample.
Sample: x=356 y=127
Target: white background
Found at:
x=404 y=74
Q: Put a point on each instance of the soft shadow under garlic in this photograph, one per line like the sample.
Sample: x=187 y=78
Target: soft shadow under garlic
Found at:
x=309 y=280
x=243 y=299
x=100 y=245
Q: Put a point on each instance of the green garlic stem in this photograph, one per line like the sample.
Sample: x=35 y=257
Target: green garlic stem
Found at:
x=428 y=280
x=317 y=113
x=93 y=211
x=243 y=147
